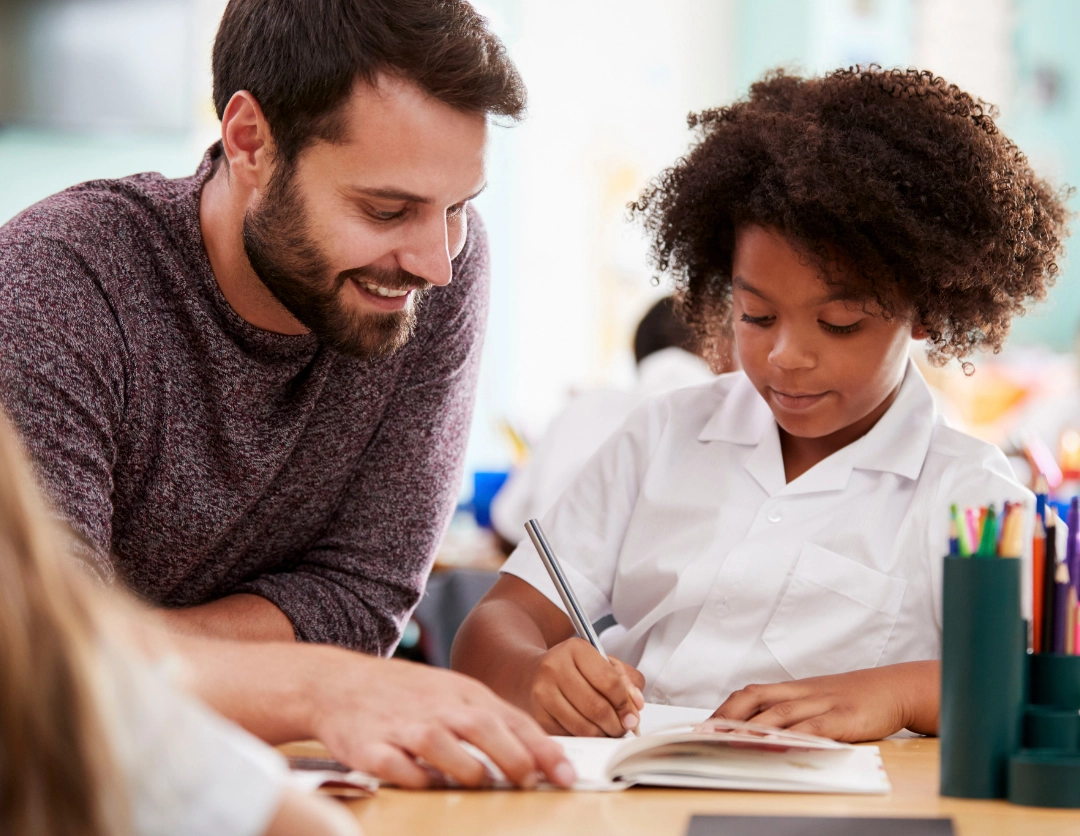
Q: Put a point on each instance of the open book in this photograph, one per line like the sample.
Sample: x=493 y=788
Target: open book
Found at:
x=699 y=753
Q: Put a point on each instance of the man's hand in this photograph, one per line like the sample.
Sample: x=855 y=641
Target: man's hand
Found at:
x=380 y=716
x=574 y=691
x=861 y=705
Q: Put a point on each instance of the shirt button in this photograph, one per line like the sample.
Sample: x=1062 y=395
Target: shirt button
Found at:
x=774 y=516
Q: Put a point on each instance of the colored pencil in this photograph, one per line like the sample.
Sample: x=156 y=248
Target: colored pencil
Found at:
x=1038 y=556
x=988 y=541
x=972 y=529
x=1050 y=567
x=1011 y=542
x=1062 y=587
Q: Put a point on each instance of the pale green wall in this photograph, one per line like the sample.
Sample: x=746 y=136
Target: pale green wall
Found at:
x=1046 y=40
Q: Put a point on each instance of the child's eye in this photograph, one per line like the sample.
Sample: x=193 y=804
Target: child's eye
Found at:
x=839 y=329
x=757 y=320
x=454 y=211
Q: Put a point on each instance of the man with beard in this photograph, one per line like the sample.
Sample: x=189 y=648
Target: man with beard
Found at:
x=248 y=391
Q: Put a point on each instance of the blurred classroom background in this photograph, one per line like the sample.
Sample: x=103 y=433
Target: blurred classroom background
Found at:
x=105 y=88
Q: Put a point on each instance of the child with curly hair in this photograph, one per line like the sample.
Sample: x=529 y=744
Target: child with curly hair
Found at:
x=770 y=545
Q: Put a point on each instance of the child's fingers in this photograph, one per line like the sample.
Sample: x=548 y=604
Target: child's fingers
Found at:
x=789 y=713
x=567 y=715
x=636 y=677
x=835 y=724
x=753 y=699
x=611 y=700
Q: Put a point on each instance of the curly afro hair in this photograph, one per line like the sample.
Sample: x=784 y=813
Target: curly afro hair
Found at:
x=930 y=208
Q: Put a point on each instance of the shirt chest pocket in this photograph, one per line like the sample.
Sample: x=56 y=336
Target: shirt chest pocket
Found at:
x=836 y=615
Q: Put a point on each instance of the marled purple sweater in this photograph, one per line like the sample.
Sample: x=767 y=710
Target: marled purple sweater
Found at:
x=200 y=456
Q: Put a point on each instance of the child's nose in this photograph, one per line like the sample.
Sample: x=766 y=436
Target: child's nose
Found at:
x=790 y=353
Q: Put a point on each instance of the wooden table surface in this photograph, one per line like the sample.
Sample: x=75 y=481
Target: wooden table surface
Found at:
x=912 y=766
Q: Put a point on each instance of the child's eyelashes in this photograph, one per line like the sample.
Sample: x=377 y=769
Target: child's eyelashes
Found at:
x=764 y=321
x=839 y=329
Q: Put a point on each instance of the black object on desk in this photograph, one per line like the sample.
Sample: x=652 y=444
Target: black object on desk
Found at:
x=815 y=826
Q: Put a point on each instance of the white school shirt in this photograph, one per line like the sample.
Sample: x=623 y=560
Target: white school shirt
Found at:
x=721 y=574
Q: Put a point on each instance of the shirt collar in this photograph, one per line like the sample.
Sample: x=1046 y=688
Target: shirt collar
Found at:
x=898 y=443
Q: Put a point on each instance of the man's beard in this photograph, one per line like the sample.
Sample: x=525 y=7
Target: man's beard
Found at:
x=294 y=269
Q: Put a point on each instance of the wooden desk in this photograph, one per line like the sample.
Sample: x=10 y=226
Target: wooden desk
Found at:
x=912 y=766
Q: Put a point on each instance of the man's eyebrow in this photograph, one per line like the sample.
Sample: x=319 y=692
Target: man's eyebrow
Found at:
x=399 y=194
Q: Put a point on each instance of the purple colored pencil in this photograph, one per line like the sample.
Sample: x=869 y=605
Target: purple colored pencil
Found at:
x=1072 y=553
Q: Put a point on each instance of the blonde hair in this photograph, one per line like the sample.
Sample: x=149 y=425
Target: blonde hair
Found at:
x=57 y=775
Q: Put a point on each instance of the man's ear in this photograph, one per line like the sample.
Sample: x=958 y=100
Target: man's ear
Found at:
x=246 y=141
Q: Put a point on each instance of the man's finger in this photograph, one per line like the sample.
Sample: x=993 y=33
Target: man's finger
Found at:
x=492 y=736
x=390 y=764
x=435 y=744
x=547 y=752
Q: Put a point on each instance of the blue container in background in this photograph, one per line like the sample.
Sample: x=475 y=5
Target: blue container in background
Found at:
x=486 y=483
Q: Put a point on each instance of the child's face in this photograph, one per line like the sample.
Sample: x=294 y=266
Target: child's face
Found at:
x=822 y=364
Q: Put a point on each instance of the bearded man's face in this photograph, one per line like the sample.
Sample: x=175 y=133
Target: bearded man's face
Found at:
x=353 y=233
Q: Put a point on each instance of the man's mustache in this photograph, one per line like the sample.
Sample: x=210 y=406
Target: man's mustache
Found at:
x=390 y=279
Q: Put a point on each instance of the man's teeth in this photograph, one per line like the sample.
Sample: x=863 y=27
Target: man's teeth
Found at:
x=384 y=291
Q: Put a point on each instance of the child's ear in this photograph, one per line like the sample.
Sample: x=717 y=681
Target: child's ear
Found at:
x=918 y=331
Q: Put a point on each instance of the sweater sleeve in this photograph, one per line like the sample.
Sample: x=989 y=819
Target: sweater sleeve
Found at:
x=361 y=581
x=62 y=381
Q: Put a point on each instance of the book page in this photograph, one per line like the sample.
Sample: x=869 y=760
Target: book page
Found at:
x=655 y=716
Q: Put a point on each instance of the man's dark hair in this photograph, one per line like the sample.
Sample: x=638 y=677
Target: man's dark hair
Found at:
x=301 y=58
x=896 y=174
x=661 y=328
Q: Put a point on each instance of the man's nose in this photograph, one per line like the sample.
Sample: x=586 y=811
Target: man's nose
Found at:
x=427 y=254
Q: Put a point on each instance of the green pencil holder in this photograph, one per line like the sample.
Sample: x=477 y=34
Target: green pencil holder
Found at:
x=1055 y=681
x=982 y=675
x=1046 y=772
x=1045 y=778
x=1051 y=728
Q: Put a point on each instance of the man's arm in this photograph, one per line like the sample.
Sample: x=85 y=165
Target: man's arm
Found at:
x=63 y=378
x=376 y=715
x=241 y=617
x=356 y=586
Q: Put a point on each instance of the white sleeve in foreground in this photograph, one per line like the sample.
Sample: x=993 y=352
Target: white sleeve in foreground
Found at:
x=187 y=770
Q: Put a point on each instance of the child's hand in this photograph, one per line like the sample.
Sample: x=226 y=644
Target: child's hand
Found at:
x=861 y=705
x=573 y=691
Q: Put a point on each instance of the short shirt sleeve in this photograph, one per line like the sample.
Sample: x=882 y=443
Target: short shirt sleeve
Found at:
x=587 y=524
x=188 y=771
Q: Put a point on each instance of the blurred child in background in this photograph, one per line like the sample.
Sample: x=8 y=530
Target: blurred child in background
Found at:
x=667 y=358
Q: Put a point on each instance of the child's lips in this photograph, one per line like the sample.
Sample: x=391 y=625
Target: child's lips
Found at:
x=797 y=400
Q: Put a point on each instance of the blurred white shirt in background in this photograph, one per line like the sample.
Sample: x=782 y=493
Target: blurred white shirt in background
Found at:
x=578 y=431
